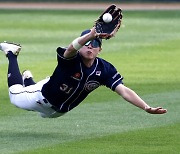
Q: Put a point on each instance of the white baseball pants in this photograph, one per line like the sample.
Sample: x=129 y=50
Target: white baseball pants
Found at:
x=30 y=98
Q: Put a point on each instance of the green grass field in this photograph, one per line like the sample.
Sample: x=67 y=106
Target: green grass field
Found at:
x=146 y=51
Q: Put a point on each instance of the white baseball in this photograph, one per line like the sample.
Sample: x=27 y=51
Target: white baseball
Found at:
x=107 y=17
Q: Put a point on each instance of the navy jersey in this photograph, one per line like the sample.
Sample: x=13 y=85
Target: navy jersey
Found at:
x=72 y=81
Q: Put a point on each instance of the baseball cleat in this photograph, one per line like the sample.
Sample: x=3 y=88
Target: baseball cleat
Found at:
x=6 y=47
x=26 y=74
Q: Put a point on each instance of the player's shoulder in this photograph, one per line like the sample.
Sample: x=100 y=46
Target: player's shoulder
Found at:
x=60 y=53
x=104 y=62
x=61 y=50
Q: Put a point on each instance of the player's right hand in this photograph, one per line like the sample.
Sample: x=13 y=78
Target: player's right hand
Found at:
x=157 y=110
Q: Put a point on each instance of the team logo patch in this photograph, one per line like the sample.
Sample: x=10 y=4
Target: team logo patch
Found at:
x=76 y=76
x=91 y=85
x=98 y=73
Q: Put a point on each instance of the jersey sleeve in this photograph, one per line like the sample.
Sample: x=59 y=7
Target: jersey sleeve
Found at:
x=62 y=59
x=112 y=77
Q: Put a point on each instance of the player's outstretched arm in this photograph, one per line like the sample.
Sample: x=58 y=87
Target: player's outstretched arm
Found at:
x=78 y=43
x=101 y=29
x=130 y=96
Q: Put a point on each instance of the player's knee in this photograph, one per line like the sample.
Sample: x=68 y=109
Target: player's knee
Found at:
x=43 y=115
x=47 y=115
x=16 y=89
x=14 y=94
x=53 y=115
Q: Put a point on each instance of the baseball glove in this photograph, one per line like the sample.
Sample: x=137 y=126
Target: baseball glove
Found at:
x=108 y=30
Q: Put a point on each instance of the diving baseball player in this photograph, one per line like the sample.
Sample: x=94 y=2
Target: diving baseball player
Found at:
x=78 y=72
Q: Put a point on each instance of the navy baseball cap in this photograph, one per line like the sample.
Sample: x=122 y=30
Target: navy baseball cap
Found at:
x=97 y=42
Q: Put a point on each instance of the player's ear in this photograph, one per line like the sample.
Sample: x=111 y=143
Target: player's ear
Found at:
x=99 y=50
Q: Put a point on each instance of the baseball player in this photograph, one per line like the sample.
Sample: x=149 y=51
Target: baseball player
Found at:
x=79 y=71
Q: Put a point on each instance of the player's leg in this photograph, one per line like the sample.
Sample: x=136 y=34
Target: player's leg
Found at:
x=28 y=78
x=14 y=77
x=11 y=51
x=30 y=97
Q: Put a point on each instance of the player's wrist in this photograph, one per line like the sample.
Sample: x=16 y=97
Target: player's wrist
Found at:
x=76 y=45
x=146 y=108
x=93 y=33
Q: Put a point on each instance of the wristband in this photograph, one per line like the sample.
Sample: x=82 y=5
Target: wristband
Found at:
x=76 y=44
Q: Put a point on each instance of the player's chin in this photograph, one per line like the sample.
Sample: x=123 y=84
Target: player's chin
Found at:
x=89 y=57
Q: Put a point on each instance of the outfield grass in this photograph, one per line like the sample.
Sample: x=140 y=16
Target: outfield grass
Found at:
x=145 y=51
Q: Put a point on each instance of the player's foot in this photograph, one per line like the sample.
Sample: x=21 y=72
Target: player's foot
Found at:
x=6 y=47
x=26 y=74
x=27 y=78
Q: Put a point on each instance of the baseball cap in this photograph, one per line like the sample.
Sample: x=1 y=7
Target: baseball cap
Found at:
x=95 y=42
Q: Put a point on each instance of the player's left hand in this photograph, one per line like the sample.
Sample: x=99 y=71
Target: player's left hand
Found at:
x=108 y=30
x=157 y=110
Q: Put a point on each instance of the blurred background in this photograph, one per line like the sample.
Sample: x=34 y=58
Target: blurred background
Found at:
x=117 y=1
x=146 y=51
x=99 y=5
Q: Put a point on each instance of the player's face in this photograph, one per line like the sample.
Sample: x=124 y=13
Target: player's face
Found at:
x=90 y=51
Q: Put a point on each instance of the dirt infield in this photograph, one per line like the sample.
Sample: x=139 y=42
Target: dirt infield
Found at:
x=91 y=6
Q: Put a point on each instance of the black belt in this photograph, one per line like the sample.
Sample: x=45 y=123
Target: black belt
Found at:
x=52 y=106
